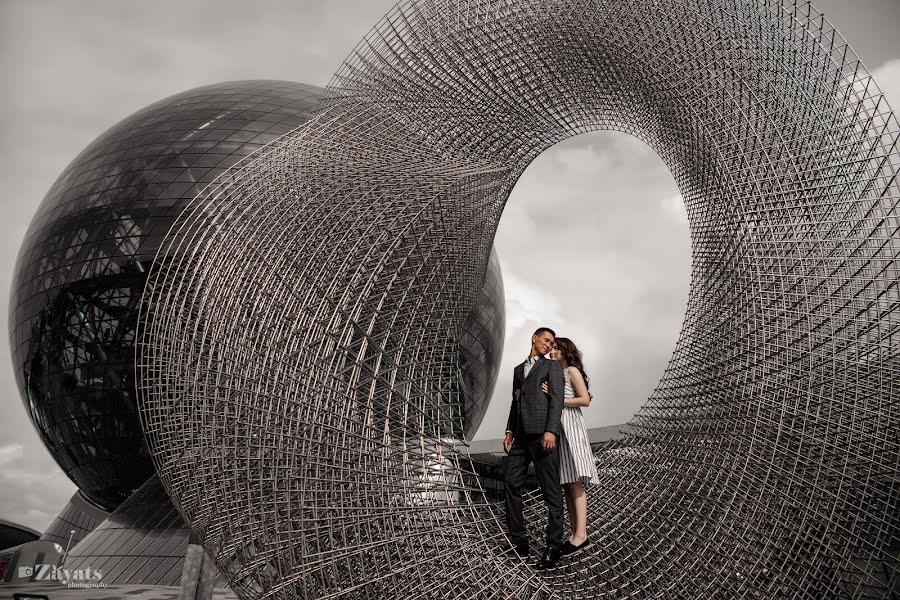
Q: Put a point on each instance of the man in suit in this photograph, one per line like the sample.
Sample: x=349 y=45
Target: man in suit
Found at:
x=532 y=435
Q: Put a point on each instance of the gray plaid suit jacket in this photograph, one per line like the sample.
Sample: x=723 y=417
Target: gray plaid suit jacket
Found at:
x=540 y=412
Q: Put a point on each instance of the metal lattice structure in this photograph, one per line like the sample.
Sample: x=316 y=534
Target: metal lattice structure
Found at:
x=299 y=375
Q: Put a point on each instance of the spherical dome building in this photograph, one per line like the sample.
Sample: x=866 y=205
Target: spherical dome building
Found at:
x=82 y=268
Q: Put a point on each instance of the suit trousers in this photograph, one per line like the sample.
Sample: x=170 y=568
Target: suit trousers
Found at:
x=526 y=448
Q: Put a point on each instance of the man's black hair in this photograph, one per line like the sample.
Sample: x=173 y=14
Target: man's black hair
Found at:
x=541 y=330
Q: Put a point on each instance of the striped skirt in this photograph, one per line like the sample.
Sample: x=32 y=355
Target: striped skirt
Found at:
x=576 y=461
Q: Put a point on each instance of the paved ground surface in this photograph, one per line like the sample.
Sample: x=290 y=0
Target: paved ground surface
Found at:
x=56 y=591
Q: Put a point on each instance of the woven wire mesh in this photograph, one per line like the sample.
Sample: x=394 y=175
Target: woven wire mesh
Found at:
x=297 y=381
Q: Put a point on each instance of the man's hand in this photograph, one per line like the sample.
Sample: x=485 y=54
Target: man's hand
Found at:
x=507 y=442
x=544 y=387
x=548 y=442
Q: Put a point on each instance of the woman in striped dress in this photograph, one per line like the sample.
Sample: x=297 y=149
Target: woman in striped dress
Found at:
x=576 y=461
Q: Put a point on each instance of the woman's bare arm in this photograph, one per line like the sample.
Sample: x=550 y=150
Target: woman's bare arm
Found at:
x=582 y=398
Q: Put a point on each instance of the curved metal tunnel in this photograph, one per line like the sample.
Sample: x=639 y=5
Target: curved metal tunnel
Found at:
x=300 y=350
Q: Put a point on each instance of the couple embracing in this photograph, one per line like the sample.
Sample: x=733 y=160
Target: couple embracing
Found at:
x=545 y=427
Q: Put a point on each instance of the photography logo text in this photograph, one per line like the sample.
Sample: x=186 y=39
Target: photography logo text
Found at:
x=75 y=578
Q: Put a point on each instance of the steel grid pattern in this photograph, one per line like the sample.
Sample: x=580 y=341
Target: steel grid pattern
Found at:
x=298 y=388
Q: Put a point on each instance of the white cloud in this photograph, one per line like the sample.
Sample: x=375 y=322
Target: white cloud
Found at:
x=527 y=302
x=674 y=207
x=10 y=453
x=887 y=77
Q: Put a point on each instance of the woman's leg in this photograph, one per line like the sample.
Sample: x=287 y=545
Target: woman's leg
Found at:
x=570 y=507
x=575 y=491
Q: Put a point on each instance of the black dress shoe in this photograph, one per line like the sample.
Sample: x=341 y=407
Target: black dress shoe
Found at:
x=550 y=557
x=568 y=548
x=520 y=551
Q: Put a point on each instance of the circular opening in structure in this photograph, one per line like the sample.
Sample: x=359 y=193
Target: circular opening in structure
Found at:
x=594 y=243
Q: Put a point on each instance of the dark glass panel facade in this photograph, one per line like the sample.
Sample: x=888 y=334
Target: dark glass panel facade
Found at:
x=144 y=541
x=82 y=268
x=12 y=534
x=78 y=515
x=481 y=346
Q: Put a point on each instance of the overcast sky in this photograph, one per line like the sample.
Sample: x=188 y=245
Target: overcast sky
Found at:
x=615 y=280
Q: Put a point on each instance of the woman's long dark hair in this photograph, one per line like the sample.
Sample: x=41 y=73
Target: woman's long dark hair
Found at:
x=573 y=357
